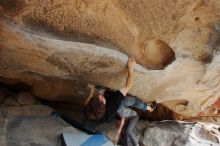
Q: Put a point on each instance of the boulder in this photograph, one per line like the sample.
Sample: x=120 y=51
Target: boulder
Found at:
x=10 y=101
x=25 y=98
x=170 y=133
x=31 y=125
x=3 y=94
x=56 y=47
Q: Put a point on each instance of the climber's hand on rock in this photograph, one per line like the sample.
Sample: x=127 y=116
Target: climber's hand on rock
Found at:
x=131 y=63
x=91 y=86
x=149 y=108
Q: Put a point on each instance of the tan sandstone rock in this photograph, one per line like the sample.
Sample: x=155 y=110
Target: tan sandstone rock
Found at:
x=57 y=47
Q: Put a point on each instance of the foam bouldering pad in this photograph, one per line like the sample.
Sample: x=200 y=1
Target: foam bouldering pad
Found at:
x=83 y=139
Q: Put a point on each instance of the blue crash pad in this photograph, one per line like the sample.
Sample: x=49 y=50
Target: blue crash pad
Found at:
x=83 y=139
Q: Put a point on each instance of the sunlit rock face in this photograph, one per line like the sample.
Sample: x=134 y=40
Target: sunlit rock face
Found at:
x=56 y=47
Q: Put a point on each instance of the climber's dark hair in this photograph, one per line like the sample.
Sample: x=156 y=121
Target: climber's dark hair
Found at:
x=94 y=110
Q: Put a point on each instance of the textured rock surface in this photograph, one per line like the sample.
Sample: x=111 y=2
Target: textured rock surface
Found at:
x=25 y=98
x=30 y=125
x=24 y=125
x=47 y=46
x=19 y=128
x=170 y=133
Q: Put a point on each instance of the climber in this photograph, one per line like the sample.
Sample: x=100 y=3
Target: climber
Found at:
x=107 y=104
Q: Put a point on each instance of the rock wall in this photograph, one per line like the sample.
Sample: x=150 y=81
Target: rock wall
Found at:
x=57 y=47
x=25 y=121
x=168 y=133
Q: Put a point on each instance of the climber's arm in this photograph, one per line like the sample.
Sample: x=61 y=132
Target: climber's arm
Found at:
x=130 y=78
x=91 y=92
x=122 y=122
